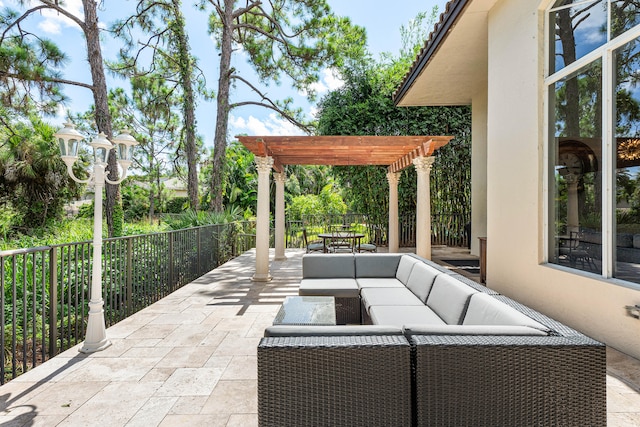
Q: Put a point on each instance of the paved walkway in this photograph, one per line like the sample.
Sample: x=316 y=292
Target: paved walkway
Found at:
x=190 y=359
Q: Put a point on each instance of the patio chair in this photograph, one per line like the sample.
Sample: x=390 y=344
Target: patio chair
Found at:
x=314 y=246
x=580 y=251
x=367 y=247
x=342 y=241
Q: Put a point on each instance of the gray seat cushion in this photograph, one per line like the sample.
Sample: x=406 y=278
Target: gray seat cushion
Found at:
x=421 y=280
x=373 y=282
x=422 y=329
x=402 y=315
x=449 y=298
x=341 y=288
x=328 y=266
x=485 y=310
x=341 y=330
x=404 y=268
x=377 y=265
x=388 y=296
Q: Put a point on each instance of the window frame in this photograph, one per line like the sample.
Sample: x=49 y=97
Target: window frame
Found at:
x=606 y=54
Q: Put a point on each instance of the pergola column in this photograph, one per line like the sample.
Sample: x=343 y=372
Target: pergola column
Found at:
x=263 y=165
x=423 y=206
x=394 y=241
x=280 y=179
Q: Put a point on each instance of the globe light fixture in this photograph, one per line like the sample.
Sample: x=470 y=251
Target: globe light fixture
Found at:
x=68 y=141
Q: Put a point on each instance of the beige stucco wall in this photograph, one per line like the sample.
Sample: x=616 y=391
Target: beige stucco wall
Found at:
x=514 y=191
x=478 y=169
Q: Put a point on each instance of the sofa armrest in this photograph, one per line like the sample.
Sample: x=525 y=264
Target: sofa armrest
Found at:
x=353 y=380
x=510 y=381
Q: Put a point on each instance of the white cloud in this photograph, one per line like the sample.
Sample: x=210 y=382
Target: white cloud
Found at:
x=272 y=125
x=53 y=22
x=329 y=80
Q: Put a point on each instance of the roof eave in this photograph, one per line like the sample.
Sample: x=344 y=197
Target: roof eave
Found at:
x=448 y=19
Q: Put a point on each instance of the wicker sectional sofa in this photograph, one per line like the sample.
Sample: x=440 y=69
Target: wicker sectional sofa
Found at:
x=426 y=347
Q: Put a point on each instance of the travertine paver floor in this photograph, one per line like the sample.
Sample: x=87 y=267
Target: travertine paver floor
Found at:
x=190 y=359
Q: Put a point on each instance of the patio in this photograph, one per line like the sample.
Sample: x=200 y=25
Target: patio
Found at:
x=190 y=359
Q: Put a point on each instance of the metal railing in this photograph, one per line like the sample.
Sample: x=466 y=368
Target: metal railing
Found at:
x=46 y=289
x=449 y=229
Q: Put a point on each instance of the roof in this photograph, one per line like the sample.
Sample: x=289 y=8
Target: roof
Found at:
x=452 y=65
x=396 y=152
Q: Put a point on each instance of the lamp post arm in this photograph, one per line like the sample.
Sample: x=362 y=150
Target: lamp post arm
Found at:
x=122 y=178
x=75 y=178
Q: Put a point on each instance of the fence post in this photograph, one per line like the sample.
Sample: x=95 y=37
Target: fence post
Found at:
x=171 y=284
x=199 y=252
x=53 y=302
x=129 y=279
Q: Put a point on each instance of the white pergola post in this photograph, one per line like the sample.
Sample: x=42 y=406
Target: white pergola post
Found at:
x=280 y=179
x=423 y=207
x=263 y=165
x=394 y=241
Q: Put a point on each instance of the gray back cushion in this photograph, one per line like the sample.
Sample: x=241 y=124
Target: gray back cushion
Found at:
x=449 y=298
x=421 y=279
x=328 y=266
x=377 y=265
x=404 y=268
x=485 y=310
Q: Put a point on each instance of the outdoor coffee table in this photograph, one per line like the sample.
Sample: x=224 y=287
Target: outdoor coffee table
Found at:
x=301 y=310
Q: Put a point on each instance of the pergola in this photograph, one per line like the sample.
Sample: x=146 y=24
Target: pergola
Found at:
x=395 y=152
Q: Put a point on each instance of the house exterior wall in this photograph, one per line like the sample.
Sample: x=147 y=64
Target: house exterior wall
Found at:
x=478 y=169
x=515 y=199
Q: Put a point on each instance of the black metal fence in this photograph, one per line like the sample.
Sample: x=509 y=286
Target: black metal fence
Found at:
x=449 y=229
x=46 y=289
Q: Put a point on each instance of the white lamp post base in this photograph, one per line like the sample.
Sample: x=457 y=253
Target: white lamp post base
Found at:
x=96 y=336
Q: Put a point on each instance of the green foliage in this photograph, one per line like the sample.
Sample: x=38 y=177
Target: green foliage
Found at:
x=192 y=218
x=33 y=179
x=177 y=205
x=329 y=201
x=135 y=202
x=364 y=106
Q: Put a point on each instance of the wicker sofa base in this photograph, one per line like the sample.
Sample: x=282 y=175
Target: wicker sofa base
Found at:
x=509 y=381
x=336 y=381
x=348 y=311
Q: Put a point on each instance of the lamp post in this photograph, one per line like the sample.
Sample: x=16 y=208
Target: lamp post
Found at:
x=68 y=140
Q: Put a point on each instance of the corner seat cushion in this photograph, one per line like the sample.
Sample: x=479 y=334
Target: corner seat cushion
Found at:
x=402 y=315
x=376 y=282
x=341 y=288
x=329 y=331
x=376 y=265
x=388 y=296
x=404 y=268
x=324 y=266
x=485 y=310
x=421 y=280
x=449 y=298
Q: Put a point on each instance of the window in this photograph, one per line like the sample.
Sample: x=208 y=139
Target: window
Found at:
x=593 y=98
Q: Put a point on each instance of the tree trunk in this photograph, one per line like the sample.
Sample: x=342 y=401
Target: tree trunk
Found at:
x=220 y=141
x=567 y=38
x=186 y=73
x=113 y=203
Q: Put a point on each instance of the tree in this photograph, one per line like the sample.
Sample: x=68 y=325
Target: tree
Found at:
x=294 y=39
x=33 y=179
x=150 y=112
x=364 y=106
x=29 y=62
x=171 y=61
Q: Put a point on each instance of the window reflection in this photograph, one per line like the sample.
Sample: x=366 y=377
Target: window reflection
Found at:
x=579 y=27
x=627 y=225
x=578 y=180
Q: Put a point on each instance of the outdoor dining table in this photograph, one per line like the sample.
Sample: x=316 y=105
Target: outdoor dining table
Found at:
x=342 y=235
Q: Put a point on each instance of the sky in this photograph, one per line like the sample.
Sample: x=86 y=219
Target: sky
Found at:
x=382 y=20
